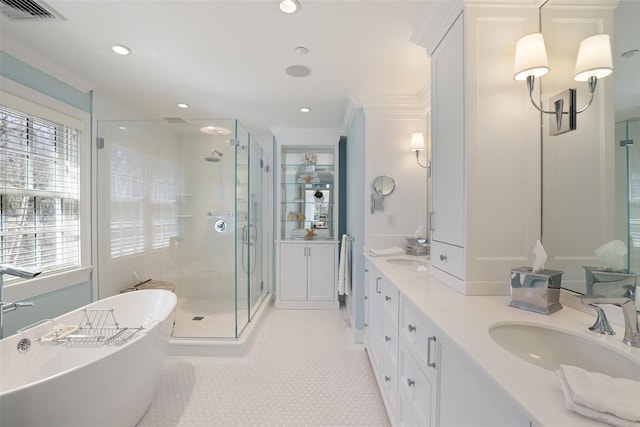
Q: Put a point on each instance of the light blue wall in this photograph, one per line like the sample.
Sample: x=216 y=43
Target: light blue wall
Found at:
x=51 y=304
x=355 y=209
x=31 y=77
x=48 y=306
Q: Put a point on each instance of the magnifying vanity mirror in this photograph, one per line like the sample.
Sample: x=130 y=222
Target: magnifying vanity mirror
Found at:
x=384 y=185
x=591 y=176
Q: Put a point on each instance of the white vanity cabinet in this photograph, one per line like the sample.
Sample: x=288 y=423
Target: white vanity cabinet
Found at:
x=381 y=334
x=418 y=365
x=485 y=215
x=307 y=275
x=464 y=385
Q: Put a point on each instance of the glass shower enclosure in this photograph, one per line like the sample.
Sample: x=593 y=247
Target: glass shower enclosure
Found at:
x=628 y=186
x=184 y=204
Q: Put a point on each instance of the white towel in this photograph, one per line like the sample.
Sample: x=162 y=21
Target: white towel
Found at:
x=394 y=250
x=615 y=401
x=344 y=267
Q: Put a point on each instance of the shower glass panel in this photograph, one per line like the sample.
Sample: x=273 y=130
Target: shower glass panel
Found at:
x=630 y=130
x=179 y=204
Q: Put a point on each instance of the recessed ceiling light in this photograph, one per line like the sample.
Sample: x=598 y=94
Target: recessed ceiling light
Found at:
x=121 y=49
x=301 y=50
x=182 y=105
x=305 y=109
x=298 y=71
x=122 y=127
x=289 y=6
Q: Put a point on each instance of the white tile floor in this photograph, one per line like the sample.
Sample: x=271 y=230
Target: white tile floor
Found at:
x=303 y=370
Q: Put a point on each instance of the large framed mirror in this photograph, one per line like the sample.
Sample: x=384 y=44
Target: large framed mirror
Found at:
x=591 y=176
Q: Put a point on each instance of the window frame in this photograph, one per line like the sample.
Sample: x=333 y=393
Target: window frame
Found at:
x=28 y=101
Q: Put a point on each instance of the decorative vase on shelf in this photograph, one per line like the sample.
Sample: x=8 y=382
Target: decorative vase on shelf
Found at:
x=310 y=159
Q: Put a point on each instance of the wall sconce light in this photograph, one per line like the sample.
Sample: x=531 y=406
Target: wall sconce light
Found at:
x=417 y=145
x=594 y=62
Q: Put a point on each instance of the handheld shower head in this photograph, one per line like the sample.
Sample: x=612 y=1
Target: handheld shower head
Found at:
x=213 y=157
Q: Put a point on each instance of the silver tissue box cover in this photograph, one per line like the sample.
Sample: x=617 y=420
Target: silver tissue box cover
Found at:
x=538 y=292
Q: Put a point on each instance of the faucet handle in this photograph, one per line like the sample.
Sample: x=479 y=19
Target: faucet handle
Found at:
x=601 y=326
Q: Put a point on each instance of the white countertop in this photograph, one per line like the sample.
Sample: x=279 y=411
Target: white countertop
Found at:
x=467 y=319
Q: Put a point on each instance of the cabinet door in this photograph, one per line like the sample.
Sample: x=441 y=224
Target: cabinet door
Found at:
x=321 y=272
x=463 y=385
x=373 y=325
x=293 y=272
x=448 y=118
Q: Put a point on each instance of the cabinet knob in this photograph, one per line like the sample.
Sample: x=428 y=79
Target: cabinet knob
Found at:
x=387 y=338
x=387 y=298
x=366 y=325
x=411 y=328
x=386 y=378
x=443 y=257
x=410 y=382
x=366 y=297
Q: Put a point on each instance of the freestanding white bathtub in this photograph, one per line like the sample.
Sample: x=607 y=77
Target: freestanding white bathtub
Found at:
x=79 y=380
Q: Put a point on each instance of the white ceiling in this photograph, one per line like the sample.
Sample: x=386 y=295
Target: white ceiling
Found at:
x=227 y=59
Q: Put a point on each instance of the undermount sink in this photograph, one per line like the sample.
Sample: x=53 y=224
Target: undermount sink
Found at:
x=420 y=265
x=550 y=348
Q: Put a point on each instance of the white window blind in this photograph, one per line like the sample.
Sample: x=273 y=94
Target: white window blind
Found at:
x=39 y=192
x=143 y=201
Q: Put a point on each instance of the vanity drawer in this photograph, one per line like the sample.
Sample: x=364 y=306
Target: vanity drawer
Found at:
x=390 y=339
x=448 y=258
x=419 y=335
x=390 y=384
x=389 y=297
x=414 y=386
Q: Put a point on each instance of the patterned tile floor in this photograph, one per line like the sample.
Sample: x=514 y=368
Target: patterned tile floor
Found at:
x=303 y=370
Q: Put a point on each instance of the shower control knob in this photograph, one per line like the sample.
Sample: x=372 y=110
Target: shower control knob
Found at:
x=220 y=226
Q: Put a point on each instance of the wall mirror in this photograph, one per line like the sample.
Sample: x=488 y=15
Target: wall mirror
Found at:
x=384 y=185
x=591 y=176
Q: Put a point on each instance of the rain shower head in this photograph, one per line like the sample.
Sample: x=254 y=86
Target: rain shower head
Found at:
x=212 y=157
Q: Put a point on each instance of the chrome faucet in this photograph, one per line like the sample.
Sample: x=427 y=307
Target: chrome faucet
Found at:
x=5 y=307
x=631 y=328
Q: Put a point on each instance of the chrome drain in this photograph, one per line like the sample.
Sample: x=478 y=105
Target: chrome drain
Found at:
x=23 y=345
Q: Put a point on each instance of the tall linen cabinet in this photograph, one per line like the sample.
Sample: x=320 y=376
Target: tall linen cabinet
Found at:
x=485 y=213
x=307 y=226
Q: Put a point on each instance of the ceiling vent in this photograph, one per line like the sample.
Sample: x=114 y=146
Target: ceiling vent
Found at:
x=29 y=10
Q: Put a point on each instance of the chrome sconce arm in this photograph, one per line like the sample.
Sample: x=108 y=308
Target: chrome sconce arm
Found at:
x=593 y=62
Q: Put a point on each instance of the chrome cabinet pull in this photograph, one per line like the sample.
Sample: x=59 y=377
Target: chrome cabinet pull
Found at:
x=387 y=298
x=309 y=251
x=410 y=382
x=429 y=362
x=387 y=338
x=386 y=378
x=443 y=257
x=378 y=285
x=431 y=215
x=411 y=328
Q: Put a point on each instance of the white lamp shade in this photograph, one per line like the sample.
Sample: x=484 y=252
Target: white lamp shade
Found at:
x=417 y=141
x=594 y=58
x=531 y=57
